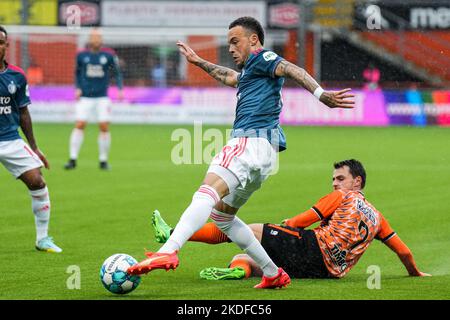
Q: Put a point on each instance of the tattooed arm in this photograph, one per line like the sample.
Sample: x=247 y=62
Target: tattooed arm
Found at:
x=333 y=99
x=225 y=75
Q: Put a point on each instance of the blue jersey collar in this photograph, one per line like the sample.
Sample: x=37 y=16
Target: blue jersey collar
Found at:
x=254 y=54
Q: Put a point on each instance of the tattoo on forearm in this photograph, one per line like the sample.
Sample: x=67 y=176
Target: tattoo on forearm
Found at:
x=219 y=73
x=299 y=75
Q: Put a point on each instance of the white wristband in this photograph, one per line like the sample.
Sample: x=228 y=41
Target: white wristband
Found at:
x=318 y=92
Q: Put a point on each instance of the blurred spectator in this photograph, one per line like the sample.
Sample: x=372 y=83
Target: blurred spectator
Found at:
x=35 y=74
x=159 y=76
x=371 y=77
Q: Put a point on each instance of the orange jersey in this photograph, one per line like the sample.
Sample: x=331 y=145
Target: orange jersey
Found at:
x=349 y=224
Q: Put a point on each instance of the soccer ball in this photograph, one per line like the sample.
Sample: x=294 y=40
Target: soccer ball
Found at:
x=114 y=276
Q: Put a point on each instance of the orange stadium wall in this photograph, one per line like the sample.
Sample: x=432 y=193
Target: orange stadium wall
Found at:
x=205 y=47
x=55 y=58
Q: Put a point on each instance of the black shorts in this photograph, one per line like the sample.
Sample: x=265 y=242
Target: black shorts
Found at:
x=295 y=250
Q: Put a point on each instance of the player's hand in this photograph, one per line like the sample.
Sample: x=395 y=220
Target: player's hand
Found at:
x=338 y=99
x=285 y=222
x=187 y=51
x=42 y=157
x=78 y=94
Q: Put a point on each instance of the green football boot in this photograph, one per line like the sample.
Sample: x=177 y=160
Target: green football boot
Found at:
x=162 y=229
x=213 y=273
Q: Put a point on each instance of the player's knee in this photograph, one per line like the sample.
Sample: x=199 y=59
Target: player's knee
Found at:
x=80 y=125
x=223 y=207
x=104 y=127
x=36 y=183
x=33 y=179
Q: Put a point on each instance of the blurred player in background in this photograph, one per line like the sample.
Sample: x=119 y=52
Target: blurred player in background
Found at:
x=23 y=161
x=251 y=154
x=92 y=75
x=349 y=223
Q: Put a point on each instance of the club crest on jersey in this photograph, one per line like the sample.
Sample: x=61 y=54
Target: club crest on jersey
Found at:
x=269 y=56
x=103 y=60
x=12 y=88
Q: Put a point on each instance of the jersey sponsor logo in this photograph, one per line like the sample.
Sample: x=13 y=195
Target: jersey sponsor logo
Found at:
x=367 y=211
x=95 y=71
x=273 y=232
x=12 y=88
x=269 y=56
x=5 y=110
x=5 y=100
x=339 y=257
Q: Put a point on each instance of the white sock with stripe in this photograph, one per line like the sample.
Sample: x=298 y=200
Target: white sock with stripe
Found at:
x=40 y=202
x=76 y=140
x=193 y=218
x=104 y=144
x=242 y=235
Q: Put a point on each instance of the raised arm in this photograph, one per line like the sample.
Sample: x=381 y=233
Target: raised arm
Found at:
x=405 y=256
x=332 y=99
x=302 y=220
x=225 y=75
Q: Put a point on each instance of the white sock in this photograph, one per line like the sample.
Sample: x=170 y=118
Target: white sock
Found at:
x=76 y=140
x=104 y=144
x=40 y=202
x=193 y=218
x=242 y=235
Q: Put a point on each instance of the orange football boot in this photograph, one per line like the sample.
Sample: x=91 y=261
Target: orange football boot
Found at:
x=155 y=260
x=280 y=280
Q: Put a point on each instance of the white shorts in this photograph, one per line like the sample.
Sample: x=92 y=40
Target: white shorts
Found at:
x=18 y=157
x=251 y=161
x=86 y=107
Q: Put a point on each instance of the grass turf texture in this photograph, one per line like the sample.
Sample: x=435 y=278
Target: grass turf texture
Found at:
x=96 y=214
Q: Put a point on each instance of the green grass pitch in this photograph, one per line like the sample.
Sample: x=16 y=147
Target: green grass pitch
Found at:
x=96 y=214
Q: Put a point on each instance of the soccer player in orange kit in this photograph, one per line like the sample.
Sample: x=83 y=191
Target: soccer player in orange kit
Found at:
x=349 y=223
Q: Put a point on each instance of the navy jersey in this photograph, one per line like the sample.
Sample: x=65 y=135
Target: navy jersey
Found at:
x=259 y=99
x=93 y=72
x=13 y=96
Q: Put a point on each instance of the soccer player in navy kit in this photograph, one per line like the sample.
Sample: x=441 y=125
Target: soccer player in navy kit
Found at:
x=250 y=155
x=93 y=68
x=23 y=161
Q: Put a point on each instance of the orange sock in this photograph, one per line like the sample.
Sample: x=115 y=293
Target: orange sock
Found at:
x=211 y=234
x=244 y=264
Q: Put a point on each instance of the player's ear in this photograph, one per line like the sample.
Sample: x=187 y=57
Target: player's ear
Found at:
x=358 y=182
x=254 y=39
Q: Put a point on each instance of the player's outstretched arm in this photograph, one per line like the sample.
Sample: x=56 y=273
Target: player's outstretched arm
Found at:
x=225 y=75
x=405 y=256
x=332 y=99
x=27 y=129
x=302 y=220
